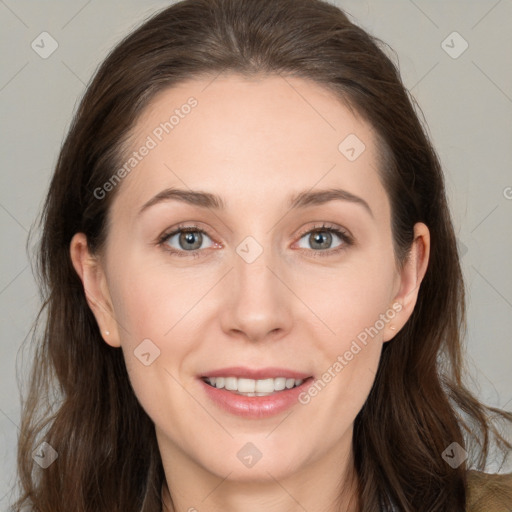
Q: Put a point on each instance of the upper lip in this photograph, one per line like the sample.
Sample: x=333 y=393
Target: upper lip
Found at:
x=256 y=373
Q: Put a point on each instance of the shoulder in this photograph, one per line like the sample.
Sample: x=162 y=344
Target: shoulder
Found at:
x=489 y=492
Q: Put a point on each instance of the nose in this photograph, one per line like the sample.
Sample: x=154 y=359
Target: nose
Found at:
x=258 y=302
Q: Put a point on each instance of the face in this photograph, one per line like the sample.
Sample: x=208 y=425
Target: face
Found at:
x=267 y=281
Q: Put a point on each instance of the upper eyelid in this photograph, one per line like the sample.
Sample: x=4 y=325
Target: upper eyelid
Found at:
x=326 y=227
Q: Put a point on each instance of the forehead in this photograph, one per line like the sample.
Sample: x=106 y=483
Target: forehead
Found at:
x=251 y=141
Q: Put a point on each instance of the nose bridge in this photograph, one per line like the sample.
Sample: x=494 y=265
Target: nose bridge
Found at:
x=258 y=302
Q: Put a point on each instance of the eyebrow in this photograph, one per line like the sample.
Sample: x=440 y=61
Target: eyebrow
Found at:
x=298 y=201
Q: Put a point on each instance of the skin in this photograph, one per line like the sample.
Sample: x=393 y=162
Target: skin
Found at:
x=253 y=142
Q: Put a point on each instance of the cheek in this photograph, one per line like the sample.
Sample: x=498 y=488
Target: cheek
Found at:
x=352 y=301
x=156 y=346
x=356 y=305
x=150 y=300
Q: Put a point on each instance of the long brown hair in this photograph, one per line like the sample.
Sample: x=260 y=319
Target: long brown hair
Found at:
x=80 y=400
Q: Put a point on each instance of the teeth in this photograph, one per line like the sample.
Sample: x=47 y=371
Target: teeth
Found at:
x=251 y=387
x=230 y=383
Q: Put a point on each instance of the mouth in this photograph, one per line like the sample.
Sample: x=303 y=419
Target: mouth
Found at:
x=253 y=387
x=254 y=393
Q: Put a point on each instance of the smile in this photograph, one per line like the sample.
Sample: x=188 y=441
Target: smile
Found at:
x=252 y=387
x=254 y=394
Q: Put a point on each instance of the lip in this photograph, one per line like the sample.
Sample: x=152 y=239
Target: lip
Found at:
x=255 y=407
x=256 y=374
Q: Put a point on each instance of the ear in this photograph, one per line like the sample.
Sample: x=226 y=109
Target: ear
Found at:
x=92 y=275
x=409 y=280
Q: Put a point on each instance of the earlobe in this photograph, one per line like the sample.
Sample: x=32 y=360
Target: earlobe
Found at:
x=411 y=277
x=92 y=275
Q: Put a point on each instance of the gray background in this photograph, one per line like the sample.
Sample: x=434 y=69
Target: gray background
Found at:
x=467 y=103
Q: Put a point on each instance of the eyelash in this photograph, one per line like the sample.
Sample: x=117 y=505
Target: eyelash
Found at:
x=343 y=235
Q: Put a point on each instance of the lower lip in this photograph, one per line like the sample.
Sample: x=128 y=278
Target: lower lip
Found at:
x=255 y=407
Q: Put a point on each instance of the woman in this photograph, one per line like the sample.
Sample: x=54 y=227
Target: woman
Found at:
x=252 y=284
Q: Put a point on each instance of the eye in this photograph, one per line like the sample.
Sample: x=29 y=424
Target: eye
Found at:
x=188 y=241
x=184 y=241
x=321 y=238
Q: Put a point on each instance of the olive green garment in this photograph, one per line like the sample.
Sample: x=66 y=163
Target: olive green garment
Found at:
x=489 y=492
